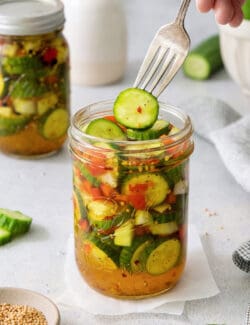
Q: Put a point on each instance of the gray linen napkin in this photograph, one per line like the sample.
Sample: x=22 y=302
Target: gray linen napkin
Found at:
x=219 y=123
x=248 y=316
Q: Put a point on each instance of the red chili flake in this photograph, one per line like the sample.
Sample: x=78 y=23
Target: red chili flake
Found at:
x=139 y=109
x=124 y=275
x=137 y=262
x=49 y=55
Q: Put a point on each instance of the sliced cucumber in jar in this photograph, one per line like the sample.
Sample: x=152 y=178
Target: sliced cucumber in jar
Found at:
x=11 y=123
x=163 y=257
x=24 y=106
x=54 y=124
x=27 y=88
x=136 y=108
x=103 y=128
x=124 y=234
x=130 y=256
x=22 y=65
x=159 y=128
x=164 y=229
x=100 y=254
x=152 y=186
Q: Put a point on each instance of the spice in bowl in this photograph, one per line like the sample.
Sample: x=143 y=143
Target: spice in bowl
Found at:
x=20 y=315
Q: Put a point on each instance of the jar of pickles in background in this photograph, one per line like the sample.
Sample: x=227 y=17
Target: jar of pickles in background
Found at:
x=34 y=77
x=130 y=202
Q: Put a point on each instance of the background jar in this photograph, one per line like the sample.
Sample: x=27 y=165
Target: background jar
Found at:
x=130 y=206
x=34 y=77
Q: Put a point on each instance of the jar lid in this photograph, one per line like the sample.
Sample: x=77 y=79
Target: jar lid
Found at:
x=30 y=17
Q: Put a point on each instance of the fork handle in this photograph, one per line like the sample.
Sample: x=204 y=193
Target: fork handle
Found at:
x=182 y=12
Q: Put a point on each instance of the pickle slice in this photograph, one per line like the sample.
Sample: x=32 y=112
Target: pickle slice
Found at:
x=11 y=123
x=163 y=257
x=54 y=124
x=99 y=254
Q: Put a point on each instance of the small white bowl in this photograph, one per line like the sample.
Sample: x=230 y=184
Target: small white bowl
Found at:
x=17 y=296
x=235 y=51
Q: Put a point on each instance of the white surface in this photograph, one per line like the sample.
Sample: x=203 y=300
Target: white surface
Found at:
x=42 y=189
x=197 y=282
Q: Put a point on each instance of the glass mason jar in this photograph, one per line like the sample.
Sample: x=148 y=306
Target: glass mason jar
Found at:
x=34 y=77
x=130 y=206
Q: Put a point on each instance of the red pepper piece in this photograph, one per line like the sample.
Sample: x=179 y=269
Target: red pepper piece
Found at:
x=49 y=55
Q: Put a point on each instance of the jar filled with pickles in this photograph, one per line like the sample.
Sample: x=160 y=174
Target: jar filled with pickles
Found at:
x=131 y=185
x=34 y=78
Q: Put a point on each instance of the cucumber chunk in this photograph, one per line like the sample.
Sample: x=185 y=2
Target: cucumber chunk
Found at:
x=14 y=221
x=5 y=236
x=136 y=108
x=204 y=60
x=130 y=256
x=164 y=229
x=24 y=106
x=246 y=10
x=103 y=128
x=163 y=257
x=159 y=128
x=99 y=210
x=90 y=178
x=123 y=235
x=28 y=65
x=11 y=123
x=54 y=124
x=27 y=88
x=100 y=255
x=152 y=186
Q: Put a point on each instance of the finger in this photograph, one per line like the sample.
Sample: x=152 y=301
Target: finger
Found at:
x=204 y=5
x=224 y=11
x=237 y=18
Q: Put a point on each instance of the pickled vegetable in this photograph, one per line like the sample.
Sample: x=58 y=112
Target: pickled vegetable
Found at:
x=34 y=87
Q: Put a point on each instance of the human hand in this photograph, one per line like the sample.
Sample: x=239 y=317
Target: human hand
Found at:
x=226 y=11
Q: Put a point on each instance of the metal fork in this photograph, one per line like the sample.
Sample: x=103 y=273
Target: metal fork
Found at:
x=165 y=55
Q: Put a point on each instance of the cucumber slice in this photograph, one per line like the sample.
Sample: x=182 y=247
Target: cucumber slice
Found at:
x=123 y=235
x=164 y=217
x=159 y=128
x=11 y=123
x=136 y=108
x=164 y=229
x=174 y=175
x=14 y=221
x=24 y=106
x=143 y=217
x=54 y=124
x=27 y=65
x=99 y=210
x=27 y=88
x=80 y=211
x=5 y=236
x=101 y=255
x=138 y=259
x=4 y=86
x=86 y=174
x=204 y=60
x=153 y=186
x=103 y=128
x=130 y=256
x=47 y=102
x=163 y=257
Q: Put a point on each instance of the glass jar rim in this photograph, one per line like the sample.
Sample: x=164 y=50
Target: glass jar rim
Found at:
x=30 y=17
x=76 y=134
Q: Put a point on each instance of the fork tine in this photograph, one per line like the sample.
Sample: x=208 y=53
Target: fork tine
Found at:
x=165 y=66
x=157 y=62
x=149 y=58
x=171 y=73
